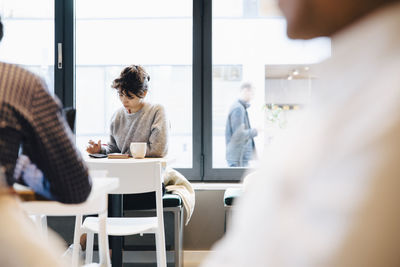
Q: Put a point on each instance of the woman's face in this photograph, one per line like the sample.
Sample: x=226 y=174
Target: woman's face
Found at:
x=131 y=102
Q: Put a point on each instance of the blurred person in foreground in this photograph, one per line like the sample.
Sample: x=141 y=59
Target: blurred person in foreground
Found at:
x=239 y=136
x=32 y=119
x=327 y=193
x=20 y=242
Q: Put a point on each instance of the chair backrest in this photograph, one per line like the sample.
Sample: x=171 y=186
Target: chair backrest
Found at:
x=138 y=177
x=134 y=177
x=69 y=114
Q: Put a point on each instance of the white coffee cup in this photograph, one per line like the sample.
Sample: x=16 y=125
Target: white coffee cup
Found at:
x=138 y=149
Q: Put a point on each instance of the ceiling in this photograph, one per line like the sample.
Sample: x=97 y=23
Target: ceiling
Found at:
x=289 y=72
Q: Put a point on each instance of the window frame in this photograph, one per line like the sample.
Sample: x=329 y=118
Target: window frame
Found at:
x=202 y=169
x=211 y=174
x=64 y=27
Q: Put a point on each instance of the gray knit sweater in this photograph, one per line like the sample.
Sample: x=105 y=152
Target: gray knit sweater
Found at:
x=147 y=125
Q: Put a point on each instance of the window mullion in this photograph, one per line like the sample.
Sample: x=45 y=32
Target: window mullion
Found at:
x=64 y=74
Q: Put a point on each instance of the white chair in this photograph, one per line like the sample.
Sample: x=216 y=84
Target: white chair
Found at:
x=139 y=177
x=95 y=204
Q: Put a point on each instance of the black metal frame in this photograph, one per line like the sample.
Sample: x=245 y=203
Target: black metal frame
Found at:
x=210 y=173
x=64 y=80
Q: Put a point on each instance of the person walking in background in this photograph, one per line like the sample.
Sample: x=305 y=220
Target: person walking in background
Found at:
x=239 y=136
x=327 y=192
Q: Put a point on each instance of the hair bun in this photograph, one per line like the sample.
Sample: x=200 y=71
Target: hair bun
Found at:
x=132 y=80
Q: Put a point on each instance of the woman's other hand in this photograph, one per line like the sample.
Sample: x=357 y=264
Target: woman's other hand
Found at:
x=93 y=147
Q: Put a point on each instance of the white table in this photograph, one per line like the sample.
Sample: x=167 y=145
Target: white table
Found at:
x=109 y=165
x=89 y=160
x=100 y=188
x=95 y=204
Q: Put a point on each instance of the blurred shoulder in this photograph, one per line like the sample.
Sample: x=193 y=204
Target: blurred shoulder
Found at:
x=18 y=73
x=29 y=90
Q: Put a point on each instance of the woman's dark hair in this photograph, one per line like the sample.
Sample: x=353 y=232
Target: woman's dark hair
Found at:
x=1 y=30
x=132 y=80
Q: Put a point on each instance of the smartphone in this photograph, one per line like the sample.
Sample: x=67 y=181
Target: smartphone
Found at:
x=98 y=156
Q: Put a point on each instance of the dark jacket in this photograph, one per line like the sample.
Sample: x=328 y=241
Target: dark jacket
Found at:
x=31 y=117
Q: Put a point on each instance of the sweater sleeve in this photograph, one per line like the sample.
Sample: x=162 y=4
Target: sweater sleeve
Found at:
x=158 y=140
x=112 y=144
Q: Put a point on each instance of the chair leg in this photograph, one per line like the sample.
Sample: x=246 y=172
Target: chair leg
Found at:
x=160 y=247
x=43 y=222
x=40 y=222
x=37 y=220
x=77 y=236
x=182 y=224
x=178 y=233
x=176 y=236
x=104 y=254
x=89 y=247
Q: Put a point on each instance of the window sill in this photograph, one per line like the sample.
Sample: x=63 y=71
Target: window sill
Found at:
x=215 y=186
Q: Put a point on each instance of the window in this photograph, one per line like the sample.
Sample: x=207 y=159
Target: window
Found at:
x=198 y=54
x=29 y=36
x=156 y=34
x=250 y=49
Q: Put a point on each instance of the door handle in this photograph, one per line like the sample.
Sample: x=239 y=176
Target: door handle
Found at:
x=60 y=56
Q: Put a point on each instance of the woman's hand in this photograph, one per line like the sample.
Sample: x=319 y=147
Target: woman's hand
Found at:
x=93 y=148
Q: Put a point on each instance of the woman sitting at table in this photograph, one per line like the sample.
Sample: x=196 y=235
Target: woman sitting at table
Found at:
x=137 y=120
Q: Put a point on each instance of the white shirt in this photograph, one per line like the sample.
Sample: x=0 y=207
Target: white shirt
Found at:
x=327 y=193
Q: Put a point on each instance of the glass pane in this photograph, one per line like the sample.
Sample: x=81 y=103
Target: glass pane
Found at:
x=156 y=34
x=29 y=36
x=254 y=61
